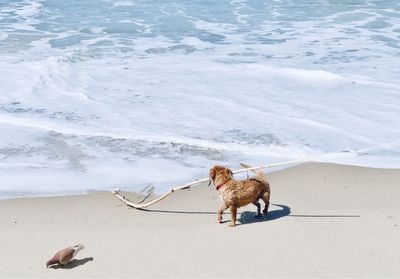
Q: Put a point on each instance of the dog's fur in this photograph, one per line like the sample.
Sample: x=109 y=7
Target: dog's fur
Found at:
x=238 y=193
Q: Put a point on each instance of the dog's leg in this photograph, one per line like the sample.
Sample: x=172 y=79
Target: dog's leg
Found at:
x=233 y=215
x=265 y=211
x=256 y=203
x=265 y=198
x=220 y=211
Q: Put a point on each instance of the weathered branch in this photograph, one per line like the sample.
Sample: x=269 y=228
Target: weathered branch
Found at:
x=116 y=192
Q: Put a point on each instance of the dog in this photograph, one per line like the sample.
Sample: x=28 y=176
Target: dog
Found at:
x=238 y=193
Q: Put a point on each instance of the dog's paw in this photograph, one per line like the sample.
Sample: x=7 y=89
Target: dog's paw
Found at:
x=258 y=216
x=231 y=225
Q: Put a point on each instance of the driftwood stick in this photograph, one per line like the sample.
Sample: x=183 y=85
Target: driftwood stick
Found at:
x=117 y=194
x=143 y=205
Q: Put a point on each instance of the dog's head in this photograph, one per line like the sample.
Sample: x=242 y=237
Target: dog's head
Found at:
x=220 y=172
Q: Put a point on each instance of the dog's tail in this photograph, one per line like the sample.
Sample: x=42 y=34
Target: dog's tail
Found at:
x=260 y=174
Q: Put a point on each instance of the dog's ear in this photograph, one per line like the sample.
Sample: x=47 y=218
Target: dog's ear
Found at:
x=212 y=173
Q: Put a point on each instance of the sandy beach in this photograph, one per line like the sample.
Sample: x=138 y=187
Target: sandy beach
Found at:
x=325 y=220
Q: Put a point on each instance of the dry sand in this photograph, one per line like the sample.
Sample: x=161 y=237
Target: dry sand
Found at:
x=326 y=221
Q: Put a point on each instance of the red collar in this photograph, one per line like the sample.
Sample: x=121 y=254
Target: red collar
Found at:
x=219 y=186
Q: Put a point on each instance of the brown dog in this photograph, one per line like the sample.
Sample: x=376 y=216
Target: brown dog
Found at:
x=238 y=193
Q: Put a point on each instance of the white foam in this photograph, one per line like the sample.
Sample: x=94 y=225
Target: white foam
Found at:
x=123 y=3
x=181 y=90
x=29 y=9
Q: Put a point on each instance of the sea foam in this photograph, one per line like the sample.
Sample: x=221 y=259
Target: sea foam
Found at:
x=125 y=94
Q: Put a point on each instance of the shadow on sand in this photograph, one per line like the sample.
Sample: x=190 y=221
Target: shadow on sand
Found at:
x=74 y=263
x=178 y=211
x=248 y=217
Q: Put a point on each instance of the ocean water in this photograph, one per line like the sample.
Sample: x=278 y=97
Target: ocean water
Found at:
x=98 y=94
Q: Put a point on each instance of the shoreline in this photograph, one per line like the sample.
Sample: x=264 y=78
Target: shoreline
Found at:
x=326 y=220
x=157 y=192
